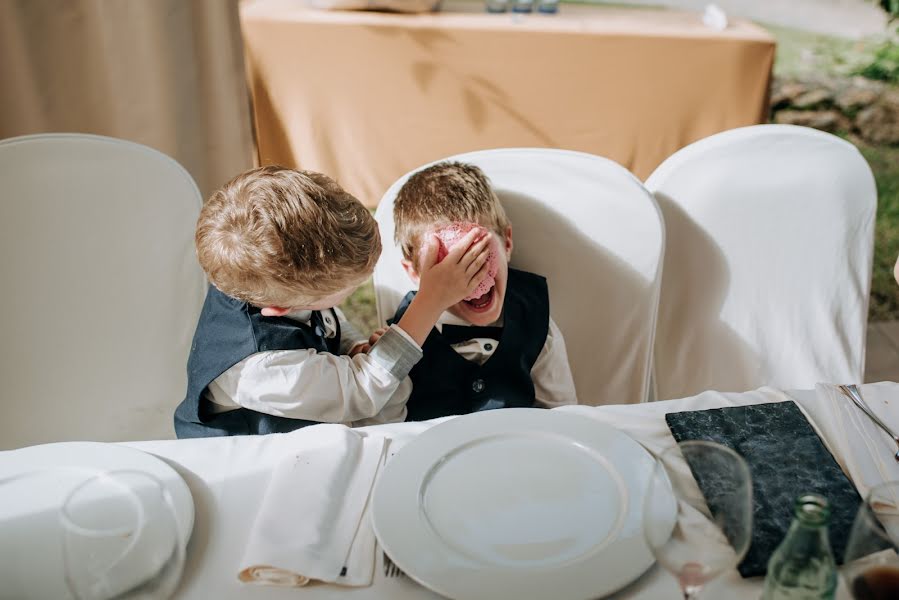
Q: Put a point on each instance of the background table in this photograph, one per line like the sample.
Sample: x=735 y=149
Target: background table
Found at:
x=228 y=477
x=366 y=97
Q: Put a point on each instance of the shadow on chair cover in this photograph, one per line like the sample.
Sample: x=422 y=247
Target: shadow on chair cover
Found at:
x=591 y=228
x=767 y=262
x=101 y=288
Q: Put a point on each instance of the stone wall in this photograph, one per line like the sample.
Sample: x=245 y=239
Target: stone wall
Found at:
x=868 y=109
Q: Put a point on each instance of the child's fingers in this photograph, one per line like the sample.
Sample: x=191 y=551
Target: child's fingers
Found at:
x=477 y=278
x=477 y=263
x=462 y=246
x=359 y=349
x=377 y=335
x=482 y=246
x=429 y=252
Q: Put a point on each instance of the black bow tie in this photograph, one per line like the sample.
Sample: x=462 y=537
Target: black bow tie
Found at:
x=455 y=334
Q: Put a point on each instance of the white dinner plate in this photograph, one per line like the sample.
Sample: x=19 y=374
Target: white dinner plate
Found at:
x=517 y=503
x=31 y=557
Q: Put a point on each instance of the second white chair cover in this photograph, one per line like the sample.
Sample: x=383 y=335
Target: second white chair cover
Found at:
x=768 y=261
x=101 y=288
x=591 y=228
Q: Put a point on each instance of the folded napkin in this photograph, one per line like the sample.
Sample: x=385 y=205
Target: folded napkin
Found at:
x=861 y=448
x=313 y=522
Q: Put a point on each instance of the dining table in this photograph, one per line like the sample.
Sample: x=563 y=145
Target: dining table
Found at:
x=228 y=476
x=367 y=96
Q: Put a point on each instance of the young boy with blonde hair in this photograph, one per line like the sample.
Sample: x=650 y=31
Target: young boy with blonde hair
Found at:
x=497 y=347
x=281 y=249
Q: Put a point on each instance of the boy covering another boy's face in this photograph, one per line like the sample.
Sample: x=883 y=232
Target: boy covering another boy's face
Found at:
x=497 y=347
x=271 y=352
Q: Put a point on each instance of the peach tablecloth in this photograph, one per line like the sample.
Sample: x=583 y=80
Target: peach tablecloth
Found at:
x=366 y=96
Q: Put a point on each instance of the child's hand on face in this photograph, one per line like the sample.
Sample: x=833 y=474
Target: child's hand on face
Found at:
x=456 y=276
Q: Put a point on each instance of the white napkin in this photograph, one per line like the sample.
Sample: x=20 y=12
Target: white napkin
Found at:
x=862 y=449
x=313 y=522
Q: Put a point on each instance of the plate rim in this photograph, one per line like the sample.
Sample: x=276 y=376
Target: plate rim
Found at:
x=461 y=430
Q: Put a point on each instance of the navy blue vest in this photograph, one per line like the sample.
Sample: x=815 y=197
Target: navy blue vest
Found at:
x=229 y=331
x=444 y=383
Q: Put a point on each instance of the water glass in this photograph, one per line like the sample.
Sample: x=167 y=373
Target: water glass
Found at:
x=703 y=542
x=121 y=538
x=871 y=562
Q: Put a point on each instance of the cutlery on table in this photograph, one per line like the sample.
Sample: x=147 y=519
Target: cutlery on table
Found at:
x=853 y=393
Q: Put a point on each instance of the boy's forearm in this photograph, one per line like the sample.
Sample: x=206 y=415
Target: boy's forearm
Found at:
x=420 y=317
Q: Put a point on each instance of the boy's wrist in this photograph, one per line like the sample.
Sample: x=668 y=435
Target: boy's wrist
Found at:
x=428 y=303
x=421 y=316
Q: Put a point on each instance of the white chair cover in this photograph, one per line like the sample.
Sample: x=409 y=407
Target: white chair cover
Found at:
x=768 y=261
x=102 y=288
x=595 y=233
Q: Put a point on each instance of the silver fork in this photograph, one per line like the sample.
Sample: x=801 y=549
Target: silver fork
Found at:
x=853 y=393
x=390 y=569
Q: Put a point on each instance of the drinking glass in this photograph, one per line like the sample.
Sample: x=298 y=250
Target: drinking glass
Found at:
x=871 y=562
x=709 y=535
x=121 y=538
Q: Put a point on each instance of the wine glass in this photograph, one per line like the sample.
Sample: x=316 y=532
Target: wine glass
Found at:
x=121 y=538
x=871 y=563
x=694 y=537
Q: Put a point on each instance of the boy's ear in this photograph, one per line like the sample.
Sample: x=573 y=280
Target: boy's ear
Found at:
x=274 y=311
x=410 y=270
x=508 y=242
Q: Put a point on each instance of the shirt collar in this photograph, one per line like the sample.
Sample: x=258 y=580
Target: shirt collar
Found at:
x=448 y=318
x=305 y=317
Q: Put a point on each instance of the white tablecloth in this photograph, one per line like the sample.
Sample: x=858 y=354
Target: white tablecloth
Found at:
x=228 y=477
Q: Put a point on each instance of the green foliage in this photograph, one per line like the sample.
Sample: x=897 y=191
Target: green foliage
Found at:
x=891 y=6
x=884 y=162
x=885 y=64
x=361 y=310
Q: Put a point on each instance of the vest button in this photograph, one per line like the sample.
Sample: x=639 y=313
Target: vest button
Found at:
x=477 y=386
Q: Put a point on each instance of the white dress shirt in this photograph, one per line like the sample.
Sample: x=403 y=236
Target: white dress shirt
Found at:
x=551 y=373
x=366 y=389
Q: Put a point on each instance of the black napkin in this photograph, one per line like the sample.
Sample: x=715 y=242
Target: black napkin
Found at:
x=786 y=460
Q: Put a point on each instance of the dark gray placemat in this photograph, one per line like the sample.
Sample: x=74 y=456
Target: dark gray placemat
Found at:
x=786 y=459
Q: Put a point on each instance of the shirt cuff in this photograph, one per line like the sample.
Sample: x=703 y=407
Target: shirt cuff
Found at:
x=396 y=352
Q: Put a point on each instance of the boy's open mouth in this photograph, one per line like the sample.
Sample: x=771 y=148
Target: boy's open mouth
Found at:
x=483 y=303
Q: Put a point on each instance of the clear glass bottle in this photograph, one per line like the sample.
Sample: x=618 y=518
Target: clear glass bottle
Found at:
x=803 y=566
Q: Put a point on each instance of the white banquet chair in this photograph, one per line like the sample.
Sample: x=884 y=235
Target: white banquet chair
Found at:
x=768 y=261
x=101 y=288
x=592 y=229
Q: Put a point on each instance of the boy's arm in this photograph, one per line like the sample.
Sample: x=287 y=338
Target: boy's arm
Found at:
x=319 y=386
x=551 y=373
x=324 y=387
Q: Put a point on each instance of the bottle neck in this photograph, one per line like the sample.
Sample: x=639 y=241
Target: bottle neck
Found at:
x=808 y=532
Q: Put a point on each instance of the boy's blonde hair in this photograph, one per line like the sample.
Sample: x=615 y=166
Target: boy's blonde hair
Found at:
x=277 y=237
x=445 y=193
